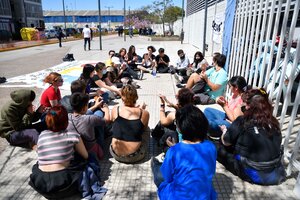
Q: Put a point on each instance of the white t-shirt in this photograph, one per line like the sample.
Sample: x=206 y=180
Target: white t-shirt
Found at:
x=86 y=32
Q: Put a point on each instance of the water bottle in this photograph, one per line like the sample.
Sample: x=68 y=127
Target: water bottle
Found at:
x=154 y=72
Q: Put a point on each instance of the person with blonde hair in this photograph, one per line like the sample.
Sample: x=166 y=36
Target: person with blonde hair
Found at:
x=51 y=96
x=129 y=124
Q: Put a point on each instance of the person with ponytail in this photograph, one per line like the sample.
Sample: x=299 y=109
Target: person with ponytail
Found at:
x=231 y=108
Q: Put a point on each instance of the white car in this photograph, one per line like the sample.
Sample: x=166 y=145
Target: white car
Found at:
x=50 y=33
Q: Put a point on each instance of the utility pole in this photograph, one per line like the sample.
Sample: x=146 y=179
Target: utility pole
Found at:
x=65 y=17
x=182 y=16
x=109 y=18
x=205 y=22
x=124 y=20
x=100 y=33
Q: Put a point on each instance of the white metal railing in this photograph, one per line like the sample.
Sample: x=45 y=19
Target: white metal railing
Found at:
x=256 y=56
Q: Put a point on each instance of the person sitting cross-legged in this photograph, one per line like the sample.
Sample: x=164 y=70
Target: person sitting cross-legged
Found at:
x=129 y=123
x=17 y=118
x=251 y=146
x=210 y=84
x=52 y=175
x=231 y=109
x=189 y=166
x=85 y=124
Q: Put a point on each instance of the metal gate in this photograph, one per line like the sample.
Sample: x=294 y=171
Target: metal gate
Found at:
x=265 y=49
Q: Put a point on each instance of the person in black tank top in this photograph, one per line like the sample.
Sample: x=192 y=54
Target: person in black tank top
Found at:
x=129 y=124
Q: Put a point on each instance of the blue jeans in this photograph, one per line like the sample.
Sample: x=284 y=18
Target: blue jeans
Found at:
x=99 y=130
x=157 y=175
x=216 y=118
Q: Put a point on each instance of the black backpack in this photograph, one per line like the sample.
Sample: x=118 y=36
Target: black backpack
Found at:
x=68 y=57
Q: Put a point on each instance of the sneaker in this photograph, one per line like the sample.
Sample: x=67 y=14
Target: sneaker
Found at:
x=140 y=75
x=178 y=78
x=135 y=85
x=180 y=85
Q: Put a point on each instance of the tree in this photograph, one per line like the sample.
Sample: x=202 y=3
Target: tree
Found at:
x=171 y=15
x=159 y=7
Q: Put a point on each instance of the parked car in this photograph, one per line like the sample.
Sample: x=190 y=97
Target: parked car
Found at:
x=71 y=31
x=50 y=33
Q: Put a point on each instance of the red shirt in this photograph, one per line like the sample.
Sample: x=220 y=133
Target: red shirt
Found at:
x=50 y=94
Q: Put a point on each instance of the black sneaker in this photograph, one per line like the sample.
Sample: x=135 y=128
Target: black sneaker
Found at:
x=180 y=86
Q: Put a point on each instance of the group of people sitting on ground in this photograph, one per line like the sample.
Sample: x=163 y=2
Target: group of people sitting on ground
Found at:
x=69 y=132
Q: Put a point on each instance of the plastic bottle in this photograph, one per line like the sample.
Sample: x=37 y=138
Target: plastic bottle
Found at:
x=154 y=72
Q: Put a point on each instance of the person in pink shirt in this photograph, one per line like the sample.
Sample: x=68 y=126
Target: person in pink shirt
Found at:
x=51 y=96
x=232 y=107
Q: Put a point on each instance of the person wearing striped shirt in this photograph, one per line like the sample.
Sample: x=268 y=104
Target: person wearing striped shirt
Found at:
x=56 y=146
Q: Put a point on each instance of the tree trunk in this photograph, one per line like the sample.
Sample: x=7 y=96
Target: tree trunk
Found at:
x=164 y=32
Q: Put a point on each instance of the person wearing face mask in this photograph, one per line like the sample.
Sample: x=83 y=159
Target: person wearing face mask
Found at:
x=251 y=146
x=180 y=68
x=100 y=79
x=199 y=64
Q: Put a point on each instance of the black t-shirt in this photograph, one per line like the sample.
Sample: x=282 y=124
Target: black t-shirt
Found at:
x=165 y=58
x=253 y=142
x=96 y=78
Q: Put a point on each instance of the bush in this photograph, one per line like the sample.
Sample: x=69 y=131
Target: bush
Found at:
x=135 y=31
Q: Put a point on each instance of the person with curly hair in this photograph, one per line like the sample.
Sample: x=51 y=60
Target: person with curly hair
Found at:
x=251 y=146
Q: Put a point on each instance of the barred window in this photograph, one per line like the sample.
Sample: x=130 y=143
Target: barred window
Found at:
x=194 y=6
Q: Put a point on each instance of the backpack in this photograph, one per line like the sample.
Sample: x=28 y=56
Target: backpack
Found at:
x=68 y=57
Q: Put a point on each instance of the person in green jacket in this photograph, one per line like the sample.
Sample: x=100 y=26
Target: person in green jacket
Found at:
x=16 y=120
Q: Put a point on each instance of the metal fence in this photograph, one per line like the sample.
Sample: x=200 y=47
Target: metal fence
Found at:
x=266 y=51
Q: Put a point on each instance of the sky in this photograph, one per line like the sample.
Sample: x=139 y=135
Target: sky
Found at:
x=57 y=5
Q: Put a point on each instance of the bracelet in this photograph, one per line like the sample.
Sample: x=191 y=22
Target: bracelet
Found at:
x=162 y=105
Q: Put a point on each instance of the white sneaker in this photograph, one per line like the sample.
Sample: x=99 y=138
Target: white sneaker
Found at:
x=178 y=78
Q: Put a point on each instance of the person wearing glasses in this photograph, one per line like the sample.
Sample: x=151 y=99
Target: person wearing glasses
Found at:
x=51 y=96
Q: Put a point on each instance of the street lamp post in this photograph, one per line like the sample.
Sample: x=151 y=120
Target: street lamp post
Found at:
x=64 y=16
x=182 y=33
x=100 y=33
x=124 y=19
x=109 y=18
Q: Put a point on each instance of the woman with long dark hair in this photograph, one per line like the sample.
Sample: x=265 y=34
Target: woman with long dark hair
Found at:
x=252 y=144
x=87 y=74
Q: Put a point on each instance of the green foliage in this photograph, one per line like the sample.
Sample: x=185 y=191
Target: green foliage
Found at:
x=135 y=31
x=172 y=13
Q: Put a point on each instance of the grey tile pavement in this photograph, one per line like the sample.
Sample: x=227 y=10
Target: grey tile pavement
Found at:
x=125 y=181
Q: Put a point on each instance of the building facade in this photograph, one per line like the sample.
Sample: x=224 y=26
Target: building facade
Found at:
x=78 y=19
x=16 y=14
